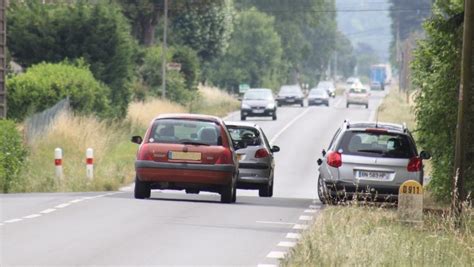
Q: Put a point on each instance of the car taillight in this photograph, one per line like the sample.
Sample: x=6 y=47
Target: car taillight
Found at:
x=261 y=153
x=414 y=165
x=225 y=157
x=144 y=153
x=334 y=159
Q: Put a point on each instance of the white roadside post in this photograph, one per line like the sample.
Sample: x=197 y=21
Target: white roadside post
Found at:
x=90 y=163
x=58 y=162
x=410 y=202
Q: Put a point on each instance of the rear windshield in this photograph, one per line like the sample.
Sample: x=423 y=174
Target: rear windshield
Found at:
x=249 y=135
x=358 y=91
x=377 y=144
x=180 y=131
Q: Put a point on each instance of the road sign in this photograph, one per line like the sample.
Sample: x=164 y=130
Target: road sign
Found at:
x=173 y=66
x=410 y=202
x=243 y=88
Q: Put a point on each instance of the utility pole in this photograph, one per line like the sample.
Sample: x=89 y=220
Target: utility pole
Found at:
x=3 y=59
x=163 y=53
x=465 y=90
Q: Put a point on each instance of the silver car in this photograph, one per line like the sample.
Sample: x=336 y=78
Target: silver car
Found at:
x=357 y=95
x=318 y=96
x=256 y=161
x=369 y=160
x=258 y=103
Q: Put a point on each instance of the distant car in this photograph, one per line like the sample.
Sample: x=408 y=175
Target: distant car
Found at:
x=258 y=103
x=318 y=96
x=352 y=81
x=369 y=160
x=186 y=152
x=256 y=161
x=290 y=95
x=357 y=95
x=328 y=86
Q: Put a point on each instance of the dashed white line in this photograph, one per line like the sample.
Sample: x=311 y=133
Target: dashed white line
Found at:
x=13 y=221
x=46 y=211
x=287 y=244
x=269 y=222
x=314 y=207
x=32 y=216
x=275 y=137
x=300 y=227
x=276 y=255
x=293 y=236
x=306 y=218
x=60 y=206
x=310 y=211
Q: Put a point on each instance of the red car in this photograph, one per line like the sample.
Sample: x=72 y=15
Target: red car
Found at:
x=186 y=152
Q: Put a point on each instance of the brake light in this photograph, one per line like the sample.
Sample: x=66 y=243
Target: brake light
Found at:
x=334 y=159
x=414 y=165
x=145 y=153
x=261 y=153
x=225 y=157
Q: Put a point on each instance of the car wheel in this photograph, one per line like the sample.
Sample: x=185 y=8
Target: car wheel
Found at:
x=327 y=104
x=228 y=193
x=367 y=106
x=274 y=117
x=142 y=189
x=266 y=190
x=242 y=117
x=324 y=194
x=347 y=105
x=278 y=104
x=302 y=104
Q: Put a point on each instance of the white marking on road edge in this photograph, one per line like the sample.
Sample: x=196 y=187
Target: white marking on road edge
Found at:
x=47 y=211
x=13 y=220
x=32 y=216
x=268 y=222
x=293 y=235
x=276 y=255
x=314 y=207
x=287 y=244
x=289 y=125
x=310 y=211
x=267 y=265
x=60 y=206
x=306 y=218
x=76 y=200
x=300 y=227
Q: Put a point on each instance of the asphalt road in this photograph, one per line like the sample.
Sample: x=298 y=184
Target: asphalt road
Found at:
x=172 y=228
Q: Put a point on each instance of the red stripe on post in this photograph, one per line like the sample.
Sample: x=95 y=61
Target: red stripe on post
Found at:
x=89 y=161
x=58 y=162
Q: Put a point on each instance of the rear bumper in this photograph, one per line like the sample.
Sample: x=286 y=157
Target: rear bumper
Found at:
x=349 y=190
x=253 y=174
x=318 y=101
x=206 y=174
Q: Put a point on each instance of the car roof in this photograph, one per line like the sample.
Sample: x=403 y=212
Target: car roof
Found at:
x=188 y=116
x=241 y=123
x=362 y=125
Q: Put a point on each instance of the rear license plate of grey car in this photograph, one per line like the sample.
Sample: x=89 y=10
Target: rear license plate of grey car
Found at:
x=371 y=175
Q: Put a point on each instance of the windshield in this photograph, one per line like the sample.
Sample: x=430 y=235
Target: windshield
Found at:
x=317 y=92
x=290 y=90
x=182 y=131
x=377 y=144
x=258 y=95
x=325 y=85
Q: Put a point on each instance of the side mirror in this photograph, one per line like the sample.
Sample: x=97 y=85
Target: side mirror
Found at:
x=137 y=139
x=323 y=152
x=425 y=155
x=320 y=161
x=275 y=149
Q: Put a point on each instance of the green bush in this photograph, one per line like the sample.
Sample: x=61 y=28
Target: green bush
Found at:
x=45 y=84
x=189 y=61
x=12 y=154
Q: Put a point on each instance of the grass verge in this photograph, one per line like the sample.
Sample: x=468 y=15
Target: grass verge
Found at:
x=114 y=154
x=370 y=236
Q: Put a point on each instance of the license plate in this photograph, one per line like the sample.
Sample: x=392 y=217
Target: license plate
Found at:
x=178 y=155
x=368 y=175
x=258 y=111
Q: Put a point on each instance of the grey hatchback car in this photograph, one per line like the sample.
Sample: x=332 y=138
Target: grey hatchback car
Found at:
x=258 y=102
x=256 y=161
x=368 y=160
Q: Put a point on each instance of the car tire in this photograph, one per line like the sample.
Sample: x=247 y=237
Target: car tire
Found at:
x=302 y=104
x=278 y=104
x=266 y=190
x=347 y=105
x=242 y=117
x=367 y=106
x=327 y=104
x=142 y=189
x=228 y=192
x=324 y=194
x=274 y=117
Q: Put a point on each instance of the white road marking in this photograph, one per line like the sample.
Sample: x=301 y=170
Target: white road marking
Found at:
x=276 y=255
x=46 y=211
x=275 y=137
x=268 y=222
x=293 y=236
x=76 y=200
x=314 y=207
x=32 y=216
x=306 y=218
x=310 y=211
x=287 y=244
x=300 y=227
x=13 y=221
x=60 y=206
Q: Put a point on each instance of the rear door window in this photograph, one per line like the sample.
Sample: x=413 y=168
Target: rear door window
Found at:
x=377 y=144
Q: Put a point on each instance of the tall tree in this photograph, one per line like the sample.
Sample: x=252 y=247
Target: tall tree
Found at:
x=144 y=16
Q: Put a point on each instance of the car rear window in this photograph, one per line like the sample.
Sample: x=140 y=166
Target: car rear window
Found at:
x=180 y=131
x=249 y=135
x=357 y=91
x=377 y=144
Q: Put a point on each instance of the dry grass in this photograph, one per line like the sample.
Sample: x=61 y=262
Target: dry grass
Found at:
x=369 y=236
x=141 y=113
x=213 y=101
x=396 y=109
